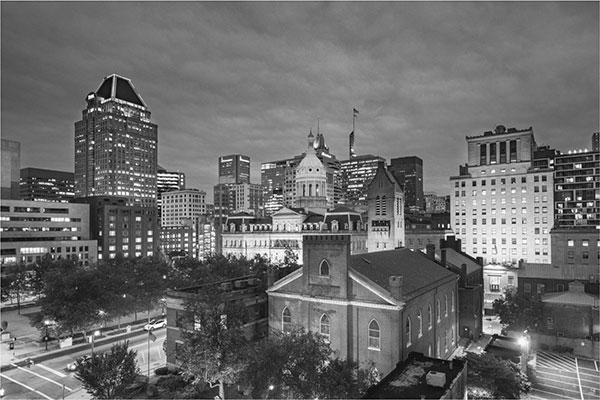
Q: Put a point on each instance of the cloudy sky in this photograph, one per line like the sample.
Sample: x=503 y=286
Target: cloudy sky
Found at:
x=252 y=78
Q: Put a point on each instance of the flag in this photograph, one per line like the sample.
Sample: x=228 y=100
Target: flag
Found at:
x=151 y=336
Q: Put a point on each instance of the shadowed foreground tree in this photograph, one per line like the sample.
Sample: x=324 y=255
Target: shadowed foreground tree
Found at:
x=299 y=365
x=213 y=352
x=490 y=377
x=105 y=376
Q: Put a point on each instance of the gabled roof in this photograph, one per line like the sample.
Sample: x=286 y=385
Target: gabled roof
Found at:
x=576 y=298
x=418 y=270
x=456 y=259
x=118 y=87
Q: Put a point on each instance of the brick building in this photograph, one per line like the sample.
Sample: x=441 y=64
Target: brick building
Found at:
x=373 y=307
x=574 y=246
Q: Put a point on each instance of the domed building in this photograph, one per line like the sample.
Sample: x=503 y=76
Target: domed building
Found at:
x=311 y=181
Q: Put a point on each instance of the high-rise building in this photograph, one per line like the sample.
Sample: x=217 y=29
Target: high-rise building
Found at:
x=576 y=189
x=409 y=173
x=234 y=168
x=119 y=228
x=11 y=167
x=596 y=141
x=47 y=185
x=233 y=198
x=167 y=181
x=273 y=180
x=180 y=207
x=32 y=229
x=501 y=207
x=435 y=203
x=116 y=145
x=357 y=173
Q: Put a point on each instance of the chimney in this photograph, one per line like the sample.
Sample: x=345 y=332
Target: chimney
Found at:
x=480 y=261
x=270 y=276
x=396 y=283
x=463 y=272
x=444 y=263
x=430 y=249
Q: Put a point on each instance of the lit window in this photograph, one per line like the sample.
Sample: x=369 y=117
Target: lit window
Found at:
x=324 y=327
x=408 y=332
x=374 y=336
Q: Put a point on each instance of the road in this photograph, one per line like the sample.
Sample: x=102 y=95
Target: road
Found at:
x=45 y=380
x=562 y=376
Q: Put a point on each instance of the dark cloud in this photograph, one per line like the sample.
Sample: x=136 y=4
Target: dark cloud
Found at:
x=252 y=78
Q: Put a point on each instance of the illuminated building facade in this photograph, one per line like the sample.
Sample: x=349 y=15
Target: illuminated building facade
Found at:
x=47 y=185
x=116 y=145
x=234 y=168
x=357 y=173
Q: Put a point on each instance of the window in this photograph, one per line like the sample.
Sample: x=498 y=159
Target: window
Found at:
x=445 y=305
x=527 y=287
x=420 y=320
x=374 y=336
x=408 y=332
x=494 y=283
x=324 y=268
x=570 y=243
x=324 y=327
x=439 y=310
x=453 y=301
x=286 y=320
x=540 y=288
x=429 y=317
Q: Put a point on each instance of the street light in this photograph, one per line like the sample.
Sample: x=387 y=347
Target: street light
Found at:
x=47 y=322
x=524 y=342
x=96 y=333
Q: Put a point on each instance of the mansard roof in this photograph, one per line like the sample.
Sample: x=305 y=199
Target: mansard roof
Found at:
x=118 y=87
x=418 y=270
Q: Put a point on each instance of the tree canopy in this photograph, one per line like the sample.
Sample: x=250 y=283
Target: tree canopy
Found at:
x=519 y=311
x=490 y=377
x=105 y=376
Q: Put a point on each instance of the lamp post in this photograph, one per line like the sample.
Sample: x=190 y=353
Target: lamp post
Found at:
x=524 y=341
x=96 y=333
x=46 y=323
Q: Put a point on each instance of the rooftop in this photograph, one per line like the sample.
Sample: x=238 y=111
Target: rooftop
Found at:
x=563 y=272
x=409 y=379
x=501 y=130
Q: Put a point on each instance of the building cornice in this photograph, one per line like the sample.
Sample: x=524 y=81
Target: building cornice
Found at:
x=322 y=300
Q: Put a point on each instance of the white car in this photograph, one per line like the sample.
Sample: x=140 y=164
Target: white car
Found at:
x=155 y=324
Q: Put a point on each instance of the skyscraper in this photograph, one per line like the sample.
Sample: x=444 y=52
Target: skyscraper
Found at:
x=409 y=173
x=357 y=173
x=234 y=168
x=11 y=166
x=116 y=145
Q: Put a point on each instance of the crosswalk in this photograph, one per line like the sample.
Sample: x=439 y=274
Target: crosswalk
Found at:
x=556 y=361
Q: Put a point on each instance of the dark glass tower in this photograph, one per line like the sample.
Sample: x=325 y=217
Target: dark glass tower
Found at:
x=408 y=171
x=116 y=145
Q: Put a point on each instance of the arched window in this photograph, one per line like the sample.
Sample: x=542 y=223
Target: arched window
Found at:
x=316 y=189
x=420 y=320
x=429 y=351
x=324 y=327
x=445 y=341
x=452 y=300
x=304 y=190
x=445 y=305
x=439 y=311
x=408 y=332
x=310 y=189
x=429 y=317
x=437 y=348
x=286 y=320
x=374 y=336
x=324 y=268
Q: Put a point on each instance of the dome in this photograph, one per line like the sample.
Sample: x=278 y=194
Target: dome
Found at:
x=310 y=166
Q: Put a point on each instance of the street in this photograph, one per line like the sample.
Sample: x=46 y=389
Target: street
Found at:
x=46 y=379
x=561 y=376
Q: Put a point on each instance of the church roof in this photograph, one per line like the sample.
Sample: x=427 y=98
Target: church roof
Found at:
x=418 y=270
x=118 y=87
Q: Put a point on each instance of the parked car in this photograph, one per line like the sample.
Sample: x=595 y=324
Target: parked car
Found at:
x=155 y=324
x=73 y=365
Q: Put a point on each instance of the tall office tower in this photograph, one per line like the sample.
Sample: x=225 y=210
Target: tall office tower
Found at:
x=231 y=198
x=501 y=206
x=596 y=141
x=33 y=229
x=116 y=145
x=120 y=228
x=357 y=173
x=577 y=189
x=409 y=173
x=167 y=181
x=234 y=169
x=11 y=167
x=182 y=206
x=272 y=178
x=47 y=185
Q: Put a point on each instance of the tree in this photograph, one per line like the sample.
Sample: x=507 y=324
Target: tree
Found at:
x=299 y=365
x=490 y=377
x=213 y=349
x=105 y=376
x=16 y=283
x=519 y=310
x=72 y=299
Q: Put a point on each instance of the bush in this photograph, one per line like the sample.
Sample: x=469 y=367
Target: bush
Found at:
x=162 y=371
x=171 y=383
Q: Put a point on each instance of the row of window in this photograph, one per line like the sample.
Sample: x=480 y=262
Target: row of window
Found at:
x=493 y=192
x=513 y=251
x=513 y=179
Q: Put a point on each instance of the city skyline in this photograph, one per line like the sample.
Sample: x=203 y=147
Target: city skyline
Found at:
x=253 y=78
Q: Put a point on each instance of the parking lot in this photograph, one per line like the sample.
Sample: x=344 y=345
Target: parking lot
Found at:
x=560 y=376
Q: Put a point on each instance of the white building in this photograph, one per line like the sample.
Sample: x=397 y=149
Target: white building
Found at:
x=179 y=207
x=501 y=206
